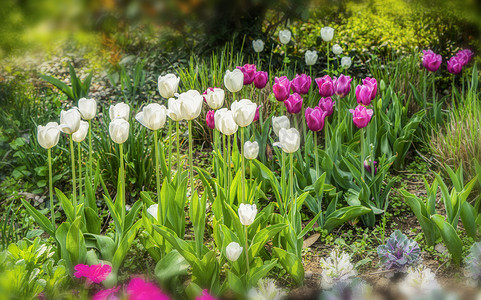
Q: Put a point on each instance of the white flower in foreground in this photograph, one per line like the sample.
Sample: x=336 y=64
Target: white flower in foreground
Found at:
x=310 y=57
x=258 y=45
x=285 y=36
x=190 y=104
x=224 y=121
x=233 y=251
x=251 y=149
x=346 y=62
x=87 y=108
x=266 y=290
x=336 y=268
x=174 y=110
x=152 y=116
x=153 y=211
x=79 y=135
x=69 y=121
x=327 y=33
x=168 y=85
x=247 y=214
x=289 y=140
x=234 y=81
x=419 y=281
x=48 y=135
x=336 y=49
x=243 y=112
x=119 y=130
x=214 y=97
x=280 y=122
x=120 y=110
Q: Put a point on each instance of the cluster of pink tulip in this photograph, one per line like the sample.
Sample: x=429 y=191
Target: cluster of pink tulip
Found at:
x=432 y=61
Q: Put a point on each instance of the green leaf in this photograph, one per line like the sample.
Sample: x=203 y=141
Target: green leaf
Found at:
x=343 y=215
x=124 y=246
x=66 y=205
x=58 y=84
x=171 y=266
x=417 y=206
x=291 y=263
x=75 y=243
x=450 y=237
x=41 y=220
x=92 y=221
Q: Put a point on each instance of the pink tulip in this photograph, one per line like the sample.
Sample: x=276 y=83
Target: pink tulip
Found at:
x=342 y=85
x=205 y=296
x=209 y=119
x=361 y=116
x=138 y=289
x=281 y=88
x=301 y=84
x=431 y=60
x=260 y=79
x=94 y=273
x=367 y=166
x=373 y=83
x=326 y=86
x=327 y=105
x=249 y=72
x=293 y=103
x=108 y=294
x=465 y=55
x=455 y=65
x=256 y=116
x=315 y=118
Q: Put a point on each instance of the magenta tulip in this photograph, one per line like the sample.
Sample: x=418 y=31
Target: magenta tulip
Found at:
x=293 y=103
x=260 y=79
x=249 y=72
x=301 y=84
x=361 y=116
x=327 y=105
x=367 y=166
x=315 y=118
x=465 y=55
x=209 y=119
x=281 y=88
x=342 y=85
x=256 y=116
x=363 y=94
x=326 y=86
x=431 y=60
x=455 y=65
x=372 y=82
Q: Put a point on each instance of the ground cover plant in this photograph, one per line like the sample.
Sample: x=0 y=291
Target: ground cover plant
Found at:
x=316 y=158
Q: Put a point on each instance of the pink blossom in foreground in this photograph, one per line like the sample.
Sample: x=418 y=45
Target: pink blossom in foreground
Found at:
x=94 y=273
x=138 y=289
x=205 y=296
x=108 y=294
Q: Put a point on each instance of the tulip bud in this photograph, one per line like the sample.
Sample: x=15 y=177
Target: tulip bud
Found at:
x=327 y=105
x=69 y=121
x=174 y=110
x=293 y=103
x=342 y=85
x=249 y=72
x=251 y=150
x=48 y=135
x=153 y=210
x=168 y=85
x=327 y=33
x=234 y=81
x=152 y=116
x=310 y=57
x=382 y=85
x=301 y=84
x=367 y=166
x=260 y=79
x=226 y=122
x=289 y=140
x=280 y=122
x=217 y=117
x=233 y=251
x=326 y=86
x=336 y=49
x=258 y=45
x=119 y=130
x=455 y=65
x=285 y=36
x=315 y=118
x=87 y=108
x=256 y=117
x=209 y=119
x=190 y=104
x=361 y=116
x=465 y=56
x=247 y=213
x=79 y=135
x=281 y=88
x=431 y=60
x=243 y=112
x=346 y=62
x=214 y=97
x=119 y=110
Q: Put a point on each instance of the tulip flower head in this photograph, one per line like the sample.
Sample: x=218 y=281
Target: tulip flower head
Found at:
x=174 y=110
x=310 y=57
x=285 y=36
x=327 y=33
x=234 y=81
x=258 y=45
x=224 y=120
x=243 y=112
x=205 y=296
x=361 y=116
x=119 y=110
x=79 y=135
x=210 y=119
x=69 y=121
x=281 y=88
x=233 y=251
x=327 y=105
x=251 y=149
x=455 y=65
x=346 y=62
x=465 y=55
x=431 y=60
x=108 y=294
x=217 y=117
x=256 y=117
x=336 y=49
x=301 y=84
x=94 y=273
x=152 y=116
x=260 y=79
x=367 y=166
x=138 y=289
x=366 y=92
x=289 y=140
x=315 y=118
x=247 y=213
x=326 y=86
x=87 y=108
x=249 y=72
x=214 y=97
x=168 y=85
x=342 y=85
x=153 y=211
x=48 y=135
x=280 y=122
x=293 y=103
x=190 y=104
x=119 y=130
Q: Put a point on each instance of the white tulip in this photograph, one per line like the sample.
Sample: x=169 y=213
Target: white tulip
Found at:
x=79 y=135
x=280 y=122
x=251 y=149
x=48 y=135
x=174 y=111
x=153 y=211
x=119 y=110
x=190 y=104
x=234 y=81
x=336 y=49
x=87 y=108
x=247 y=213
x=227 y=125
x=244 y=112
x=289 y=140
x=310 y=57
x=258 y=45
x=327 y=33
x=119 y=130
x=214 y=98
x=346 y=62
x=233 y=251
x=218 y=116
x=168 y=85
x=285 y=36
x=152 y=116
x=69 y=120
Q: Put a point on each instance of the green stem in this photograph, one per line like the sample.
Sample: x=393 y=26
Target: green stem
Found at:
x=229 y=170
x=190 y=159
x=424 y=88
x=74 y=180
x=122 y=179
x=90 y=150
x=246 y=250
x=328 y=57
x=224 y=152
x=283 y=178
x=170 y=149
x=243 y=178
x=177 y=138
x=316 y=156
x=291 y=180
x=79 y=153
x=326 y=133
x=157 y=170
x=50 y=186
x=362 y=153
